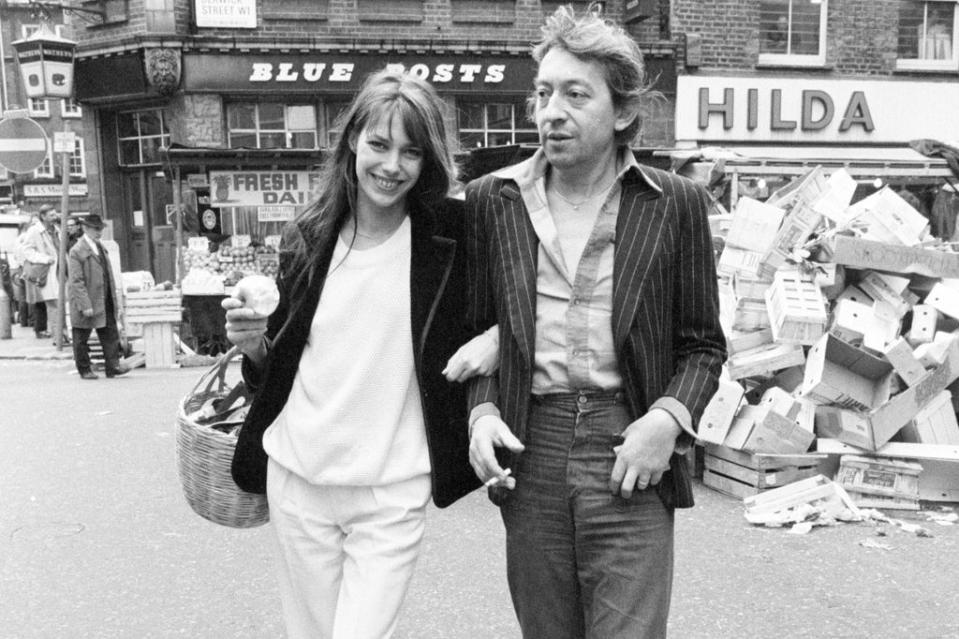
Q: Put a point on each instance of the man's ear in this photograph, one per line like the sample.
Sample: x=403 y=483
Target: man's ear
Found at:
x=624 y=118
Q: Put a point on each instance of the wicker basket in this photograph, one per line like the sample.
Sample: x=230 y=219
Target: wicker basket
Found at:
x=207 y=424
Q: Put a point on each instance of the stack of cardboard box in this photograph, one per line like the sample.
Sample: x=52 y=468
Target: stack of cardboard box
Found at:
x=842 y=322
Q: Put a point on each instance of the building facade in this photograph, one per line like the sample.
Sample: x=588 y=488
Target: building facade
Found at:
x=28 y=191
x=794 y=83
x=204 y=89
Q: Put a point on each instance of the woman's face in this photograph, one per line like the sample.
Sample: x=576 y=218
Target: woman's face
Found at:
x=388 y=164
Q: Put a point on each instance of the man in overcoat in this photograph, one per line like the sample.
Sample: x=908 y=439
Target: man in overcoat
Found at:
x=600 y=275
x=93 y=304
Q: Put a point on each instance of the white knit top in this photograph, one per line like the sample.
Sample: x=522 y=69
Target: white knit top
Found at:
x=354 y=416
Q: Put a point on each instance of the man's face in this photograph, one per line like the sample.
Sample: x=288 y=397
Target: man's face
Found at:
x=92 y=233
x=574 y=111
x=72 y=229
x=49 y=217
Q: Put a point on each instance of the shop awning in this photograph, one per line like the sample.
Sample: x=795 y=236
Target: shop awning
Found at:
x=864 y=162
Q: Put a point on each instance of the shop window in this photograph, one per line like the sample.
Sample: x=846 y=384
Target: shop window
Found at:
x=70 y=109
x=927 y=35
x=494 y=124
x=792 y=32
x=38 y=108
x=271 y=125
x=140 y=136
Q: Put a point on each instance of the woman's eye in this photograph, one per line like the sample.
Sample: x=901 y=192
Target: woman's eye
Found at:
x=416 y=154
x=376 y=144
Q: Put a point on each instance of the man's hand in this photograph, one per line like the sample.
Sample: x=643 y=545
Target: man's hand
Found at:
x=87 y=312
x=644 y=455
x=479 y=356
x=489 y=431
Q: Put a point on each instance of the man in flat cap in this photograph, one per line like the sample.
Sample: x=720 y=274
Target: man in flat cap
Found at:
x=92 y=302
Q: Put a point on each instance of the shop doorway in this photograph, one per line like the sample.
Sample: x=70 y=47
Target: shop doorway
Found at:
x=151 y=240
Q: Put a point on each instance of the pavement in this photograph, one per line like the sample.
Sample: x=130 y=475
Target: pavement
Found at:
x=23 y=344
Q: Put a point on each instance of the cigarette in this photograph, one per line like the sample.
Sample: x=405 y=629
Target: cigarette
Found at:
x=498 y=479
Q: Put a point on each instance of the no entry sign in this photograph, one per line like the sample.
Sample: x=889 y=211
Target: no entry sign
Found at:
x=23 y=145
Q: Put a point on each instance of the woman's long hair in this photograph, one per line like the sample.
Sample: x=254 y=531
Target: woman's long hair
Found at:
x=385 y=95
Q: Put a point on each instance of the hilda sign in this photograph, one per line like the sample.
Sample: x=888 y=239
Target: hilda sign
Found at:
x=260 y=188
x=755 y=109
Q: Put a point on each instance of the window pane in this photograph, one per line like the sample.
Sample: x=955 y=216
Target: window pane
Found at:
x=150 y=123
x=471 y=116
x=500 y=138
x=527 y=137
x=500 y=116
x=151 y=150
x=126 y=125
x=271 y=116
x=241 y=116
x=273 y=140
x=238 y=140
x=933 y=36
x=130 y=152
x=302 y=117
x=804 y=35
x=303 y=140
x=471 y=140
x=773 y=26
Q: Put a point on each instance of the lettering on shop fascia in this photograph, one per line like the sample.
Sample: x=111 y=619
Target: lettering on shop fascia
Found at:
x=343 y=72
x=856 y=113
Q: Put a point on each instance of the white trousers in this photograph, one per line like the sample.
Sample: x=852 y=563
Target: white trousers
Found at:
x=346 y=554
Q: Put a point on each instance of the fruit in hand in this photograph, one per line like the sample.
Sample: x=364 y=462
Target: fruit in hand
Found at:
x=259 y=293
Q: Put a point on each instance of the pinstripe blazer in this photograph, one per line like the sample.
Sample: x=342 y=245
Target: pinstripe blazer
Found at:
x=665 y=314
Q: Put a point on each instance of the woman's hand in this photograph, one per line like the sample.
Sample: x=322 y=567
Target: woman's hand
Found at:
x=245 y=329
x=479 y=356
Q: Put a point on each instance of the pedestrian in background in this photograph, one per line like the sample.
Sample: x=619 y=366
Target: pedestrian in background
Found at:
x=19 y=285
x=93 y=304
x=40 y=247
x=600 y=275
x=352 y=425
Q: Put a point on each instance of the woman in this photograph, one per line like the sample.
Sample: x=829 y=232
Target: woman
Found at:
x=352 y=425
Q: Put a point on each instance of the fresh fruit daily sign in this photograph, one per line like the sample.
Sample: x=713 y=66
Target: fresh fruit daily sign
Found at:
x=262 y=188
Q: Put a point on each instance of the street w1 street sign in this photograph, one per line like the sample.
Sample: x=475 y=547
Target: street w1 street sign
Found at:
x=23 y=145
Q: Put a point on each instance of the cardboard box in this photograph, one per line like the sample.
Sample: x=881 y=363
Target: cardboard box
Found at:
x=904 y=361
x=720 y=412
x=766 y=359
x=867 y=254
x=797 y=309
x=841 y=374
x=874 y=482
x=934 y=424
x=923 y=327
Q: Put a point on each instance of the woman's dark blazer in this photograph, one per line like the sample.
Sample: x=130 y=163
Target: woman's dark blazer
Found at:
x=438 y=297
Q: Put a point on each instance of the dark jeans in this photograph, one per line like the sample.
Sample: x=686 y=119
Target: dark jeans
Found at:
x=581 y=562
x=109 y=339
x=39 y=317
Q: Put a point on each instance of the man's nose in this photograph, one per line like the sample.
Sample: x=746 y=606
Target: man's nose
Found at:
x=554 y=109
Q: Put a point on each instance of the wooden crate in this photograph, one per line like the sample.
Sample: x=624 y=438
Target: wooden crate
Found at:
x=741 y=474
x=797 y=309
x=874 y=482
x=159 y=314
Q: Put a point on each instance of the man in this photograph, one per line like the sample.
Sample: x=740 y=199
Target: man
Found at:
x=40 y=247
x=92 y=301
x=600 y=275
x=74 y=232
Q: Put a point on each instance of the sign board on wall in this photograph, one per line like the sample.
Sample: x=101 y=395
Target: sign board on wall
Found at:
x=755 y=109
x=53 y=190
x=259 y=188
x=226 y=14
x=300 y=73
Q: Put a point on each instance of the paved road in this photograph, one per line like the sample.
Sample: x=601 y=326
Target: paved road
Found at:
x=97 y=541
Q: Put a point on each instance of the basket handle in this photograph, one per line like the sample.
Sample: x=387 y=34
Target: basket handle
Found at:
x=216 y=373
